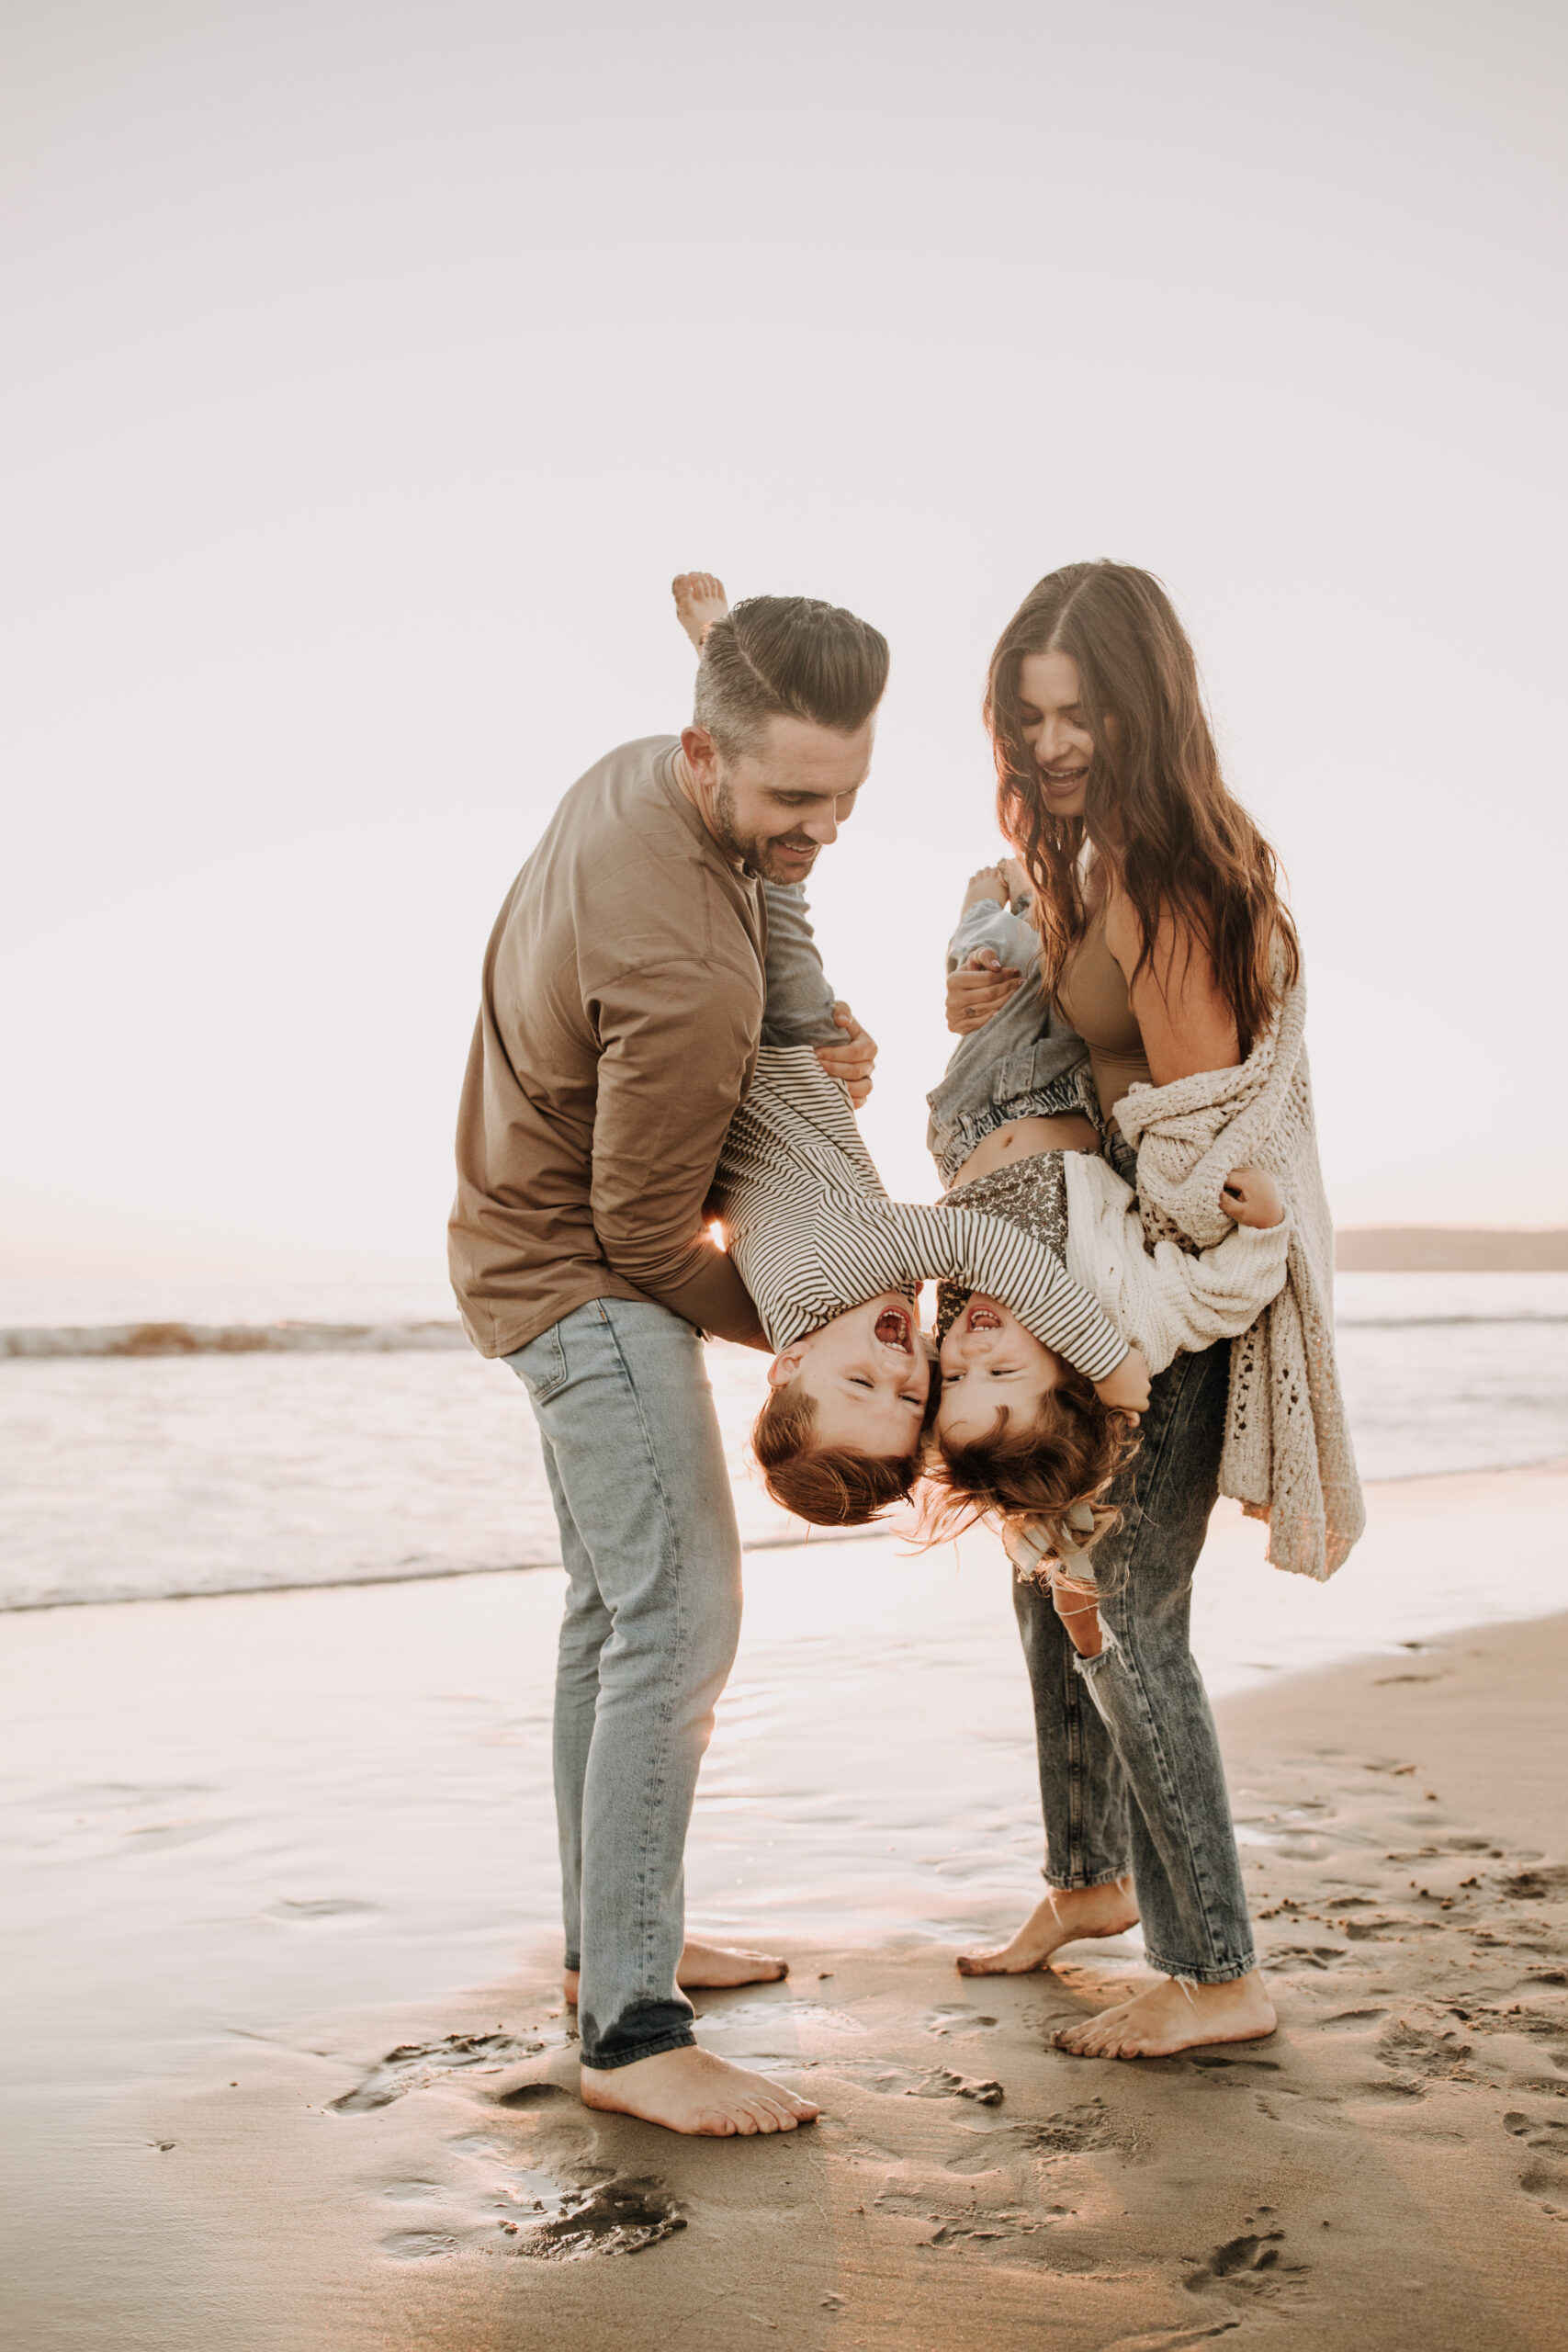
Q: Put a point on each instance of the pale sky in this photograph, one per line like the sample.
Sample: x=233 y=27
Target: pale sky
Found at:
x=370 y=367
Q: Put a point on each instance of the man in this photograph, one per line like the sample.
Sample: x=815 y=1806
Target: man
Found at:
x=622 y=1007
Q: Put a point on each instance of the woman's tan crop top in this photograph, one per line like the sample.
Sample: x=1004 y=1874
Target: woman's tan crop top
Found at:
x=1093 y=994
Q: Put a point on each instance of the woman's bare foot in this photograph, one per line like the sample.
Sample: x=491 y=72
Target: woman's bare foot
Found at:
x=1066 y=1914
x=700 y=600
x=1171 y=2017
x=710 y=1968
x=691 y=2090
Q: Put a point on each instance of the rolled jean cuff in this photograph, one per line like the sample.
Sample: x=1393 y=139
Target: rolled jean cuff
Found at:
x=655 y=2049
x=1069 y=1885
x=574 y=1961
x=1218 y=1972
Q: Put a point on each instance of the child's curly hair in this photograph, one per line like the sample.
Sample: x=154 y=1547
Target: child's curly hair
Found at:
x=828 y=1485
x=1069 y=1455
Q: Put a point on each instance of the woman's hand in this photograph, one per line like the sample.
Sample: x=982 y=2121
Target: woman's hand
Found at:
x=980 y=986
x=853 y=1061
x=1251 y=1197
x=1126 y=1390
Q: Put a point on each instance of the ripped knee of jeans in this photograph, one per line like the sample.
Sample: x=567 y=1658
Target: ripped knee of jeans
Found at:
x=1091 y=1668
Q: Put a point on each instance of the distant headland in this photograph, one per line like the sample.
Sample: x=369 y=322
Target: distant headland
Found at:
x=1451 y=1249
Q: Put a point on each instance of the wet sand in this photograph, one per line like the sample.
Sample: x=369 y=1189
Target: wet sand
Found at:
x=269 y=1837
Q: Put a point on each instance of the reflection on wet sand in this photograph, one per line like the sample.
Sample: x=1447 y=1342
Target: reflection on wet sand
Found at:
x=269 y=1839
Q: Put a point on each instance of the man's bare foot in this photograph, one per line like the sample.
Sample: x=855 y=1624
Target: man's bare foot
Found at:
x=691 y=2090
x=700 y=600
x=710 y=1968
x=1172 y=2016
x=1066 y=1914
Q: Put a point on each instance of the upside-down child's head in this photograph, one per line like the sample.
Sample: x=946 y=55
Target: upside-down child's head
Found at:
x=1017 y=1430
x=842 y=1433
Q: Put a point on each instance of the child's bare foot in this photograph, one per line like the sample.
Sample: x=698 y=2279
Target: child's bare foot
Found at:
x=1066 y=1914
x=710 y=1968
x=700 y=600
x=691 y=2090
x=990 y=882
x=1171 y=2017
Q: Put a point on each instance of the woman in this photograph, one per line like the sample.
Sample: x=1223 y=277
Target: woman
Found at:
x=1166 y=945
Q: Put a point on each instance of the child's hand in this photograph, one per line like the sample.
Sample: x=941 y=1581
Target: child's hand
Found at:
x=1126 y=1390
x=854 y=1059
x=1252 y=1197
x=980 y=986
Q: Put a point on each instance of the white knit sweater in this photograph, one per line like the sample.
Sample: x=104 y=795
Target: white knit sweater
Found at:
x=1162 y=1298
x=1288 y=1458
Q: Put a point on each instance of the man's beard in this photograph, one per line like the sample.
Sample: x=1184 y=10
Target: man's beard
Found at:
x=755 y=853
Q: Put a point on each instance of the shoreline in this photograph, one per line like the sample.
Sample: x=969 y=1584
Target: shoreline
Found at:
x=816 y=1540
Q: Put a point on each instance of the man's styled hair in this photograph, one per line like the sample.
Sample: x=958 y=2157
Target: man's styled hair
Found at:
x=826 y=1486
x=787 y=657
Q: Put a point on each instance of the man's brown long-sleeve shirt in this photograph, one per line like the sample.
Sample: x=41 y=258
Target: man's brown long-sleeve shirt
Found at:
x=621 y=1009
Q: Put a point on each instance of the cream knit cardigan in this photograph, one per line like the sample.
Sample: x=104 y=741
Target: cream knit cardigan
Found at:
x=1288 y=1458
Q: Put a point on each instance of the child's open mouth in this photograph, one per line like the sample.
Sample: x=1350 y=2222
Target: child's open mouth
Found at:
x=982 y=1318
x=893 y=1329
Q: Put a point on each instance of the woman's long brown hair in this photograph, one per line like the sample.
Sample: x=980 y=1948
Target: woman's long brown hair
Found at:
x=1157 y=809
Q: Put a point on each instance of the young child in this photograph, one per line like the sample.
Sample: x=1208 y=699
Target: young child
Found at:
x=834 y=1265
x=1014 y=1132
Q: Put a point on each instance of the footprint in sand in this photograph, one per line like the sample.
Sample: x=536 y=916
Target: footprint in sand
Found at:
x=1546 y=1886
x=1437 y=2056
x=620 y=2215
x=889 y=2081
x=956 y=2017
x=1254 y=2261
x=1090 y=2124
x=1537 y=2132
x=546 y=2200
x=414 y=2064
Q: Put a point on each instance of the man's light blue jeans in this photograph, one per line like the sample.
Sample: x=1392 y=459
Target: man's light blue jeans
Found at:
x=652 y=1555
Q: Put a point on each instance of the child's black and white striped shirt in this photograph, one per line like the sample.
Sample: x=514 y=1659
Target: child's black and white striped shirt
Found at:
x=812 y=1231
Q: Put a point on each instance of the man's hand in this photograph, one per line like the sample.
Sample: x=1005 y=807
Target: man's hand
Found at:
x=854 y=1059
x=980 y=986
x=1126 y=1390
x=1252 y=1197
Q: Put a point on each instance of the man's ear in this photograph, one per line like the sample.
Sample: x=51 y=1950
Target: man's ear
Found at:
x=701 y=755
x=783 y=1369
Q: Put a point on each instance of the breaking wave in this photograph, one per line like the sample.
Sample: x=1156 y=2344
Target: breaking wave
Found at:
x=227 y=1339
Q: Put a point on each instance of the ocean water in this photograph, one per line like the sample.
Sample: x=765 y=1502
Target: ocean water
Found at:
x=163 y=1438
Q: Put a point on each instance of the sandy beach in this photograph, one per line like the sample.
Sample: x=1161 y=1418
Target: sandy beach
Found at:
x=292 y=2068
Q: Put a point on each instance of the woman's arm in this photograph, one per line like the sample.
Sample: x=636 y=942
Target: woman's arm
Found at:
x=1184 y=1021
